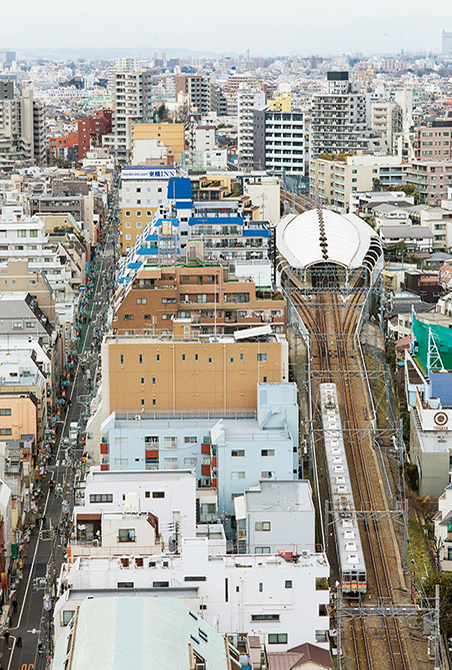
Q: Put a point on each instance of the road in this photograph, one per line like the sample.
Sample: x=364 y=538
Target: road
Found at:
x=27 y=620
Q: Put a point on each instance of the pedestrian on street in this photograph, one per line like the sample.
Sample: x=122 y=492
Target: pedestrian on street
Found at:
x=6 y=635
x=14 y=605
x=43 y=519
x=19 y=641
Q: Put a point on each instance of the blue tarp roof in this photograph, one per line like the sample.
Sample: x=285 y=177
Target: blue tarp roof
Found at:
x=179 y=188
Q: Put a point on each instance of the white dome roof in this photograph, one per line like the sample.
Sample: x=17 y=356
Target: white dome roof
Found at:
x=322 y=236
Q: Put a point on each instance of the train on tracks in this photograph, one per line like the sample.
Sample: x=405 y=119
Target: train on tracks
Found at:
x=353 y=575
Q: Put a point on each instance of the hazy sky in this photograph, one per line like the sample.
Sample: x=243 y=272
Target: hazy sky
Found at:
x=266 y=27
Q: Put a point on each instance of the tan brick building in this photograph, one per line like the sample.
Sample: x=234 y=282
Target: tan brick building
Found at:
x=211 y=300
x=151 y=373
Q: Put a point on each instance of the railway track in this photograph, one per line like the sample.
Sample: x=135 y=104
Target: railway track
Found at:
x=295 y=202
x=332 y=322
x=366 y=496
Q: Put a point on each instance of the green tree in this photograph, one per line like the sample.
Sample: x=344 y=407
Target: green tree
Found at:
x=376 y=185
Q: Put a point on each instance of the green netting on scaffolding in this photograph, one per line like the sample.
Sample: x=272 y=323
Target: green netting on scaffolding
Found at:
x=440 y=343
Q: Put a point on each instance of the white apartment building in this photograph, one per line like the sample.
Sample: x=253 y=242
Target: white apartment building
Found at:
x=333 y=182
x=24 y=238
x=274 y=516
x=340 y=119
x=127 y=82
x=280 y=600
x=169 y=495
x=387 y=119
x=248 y=99
x=279 y=144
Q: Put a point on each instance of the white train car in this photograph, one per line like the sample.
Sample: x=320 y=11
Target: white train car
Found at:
x=348 y=538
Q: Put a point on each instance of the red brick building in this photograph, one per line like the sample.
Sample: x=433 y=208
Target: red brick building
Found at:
x=93 y=128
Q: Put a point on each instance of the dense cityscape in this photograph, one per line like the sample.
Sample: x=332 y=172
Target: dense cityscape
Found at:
x=225 y=360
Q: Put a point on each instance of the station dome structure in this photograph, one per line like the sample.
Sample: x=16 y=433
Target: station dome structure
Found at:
x=321 y=238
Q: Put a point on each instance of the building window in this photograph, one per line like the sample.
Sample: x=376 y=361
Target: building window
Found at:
x=147 y=494
x=288 y=584
x=128 y=317
x=277 y=638
x=154 y=402
x=241 y=357
x=231 y=359
x=237 y=475
x=169 y=442
x=158 y=357
x=190 y=439
x=265 y=617
x=122 y=462
x=170 y=464
x=101 y=497
x=262 y=358
x=210 y=360
x=153 y=381
x=125 y=585
x=183 y=357
x=160 y=585
x=5 y=431
x=262 y=525
x=261 y=586
x=141 y=301
x=158 y=494
x=142 y=402
x=18 y=324
x=5 y=411
x=140 y=358
x=267 y=474
x=262 y=550
x=126 y=535
x=196 y=357
x=267 y=452
x=68 y=615
x=238 y=453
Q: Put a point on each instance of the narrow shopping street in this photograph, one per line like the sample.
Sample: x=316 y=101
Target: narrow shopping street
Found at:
x=30 y=631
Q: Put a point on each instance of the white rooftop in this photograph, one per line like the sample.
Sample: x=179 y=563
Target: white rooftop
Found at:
x=347 y=237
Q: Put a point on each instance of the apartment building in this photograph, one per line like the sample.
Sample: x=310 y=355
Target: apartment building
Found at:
x=431 y=179
x=147 y=372
x=248 y=99
x=276 y=515
x=333 y=182
x=205 y=296
x=169 y=495
x=131 y=103
x=340 y=118
x=434 y=142
x=19 y=376
x=144 y=190
x=282 y=601
x=24 y=238
x=279 y=144
x=387 y=120
x=22 y=129
x=90 y=130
